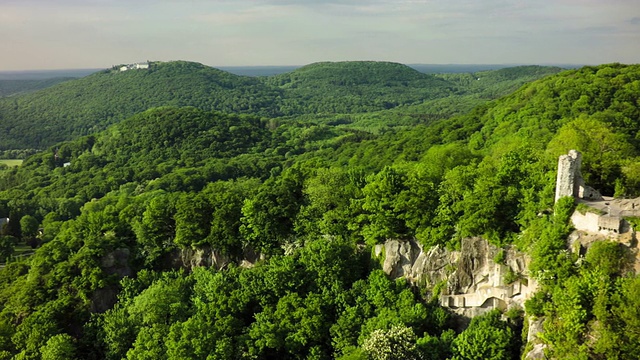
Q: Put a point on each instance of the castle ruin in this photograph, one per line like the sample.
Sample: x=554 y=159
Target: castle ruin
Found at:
x=607 y=214
x=570 y=182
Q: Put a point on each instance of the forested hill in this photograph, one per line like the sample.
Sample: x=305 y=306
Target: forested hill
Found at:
x=119 y=207
x=350 y=87
x=595 y=109
x=497 y=83
x=10 y=87
x=87 y=105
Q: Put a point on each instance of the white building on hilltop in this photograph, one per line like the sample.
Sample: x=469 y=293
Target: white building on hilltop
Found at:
x=135 y=66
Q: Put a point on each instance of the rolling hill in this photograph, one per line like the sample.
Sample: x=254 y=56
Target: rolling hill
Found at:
x=84 y=106
x=87 y=105
x=16 y=87
x=355 y=87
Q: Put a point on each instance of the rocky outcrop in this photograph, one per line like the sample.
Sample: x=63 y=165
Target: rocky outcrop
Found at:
x=535 y=345
x=117 y=262
x=538 y=352
x=407 y=259
x=189 y=258
x=114 y=262
x=473 y=282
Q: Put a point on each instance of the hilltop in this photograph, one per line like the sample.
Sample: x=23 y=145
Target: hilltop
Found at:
x=579 y=108
x=353 y=87
x=468 y=90
x=84 y=106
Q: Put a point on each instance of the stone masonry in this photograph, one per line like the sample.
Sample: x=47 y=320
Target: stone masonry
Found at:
x=569 y=176
x=570 y=182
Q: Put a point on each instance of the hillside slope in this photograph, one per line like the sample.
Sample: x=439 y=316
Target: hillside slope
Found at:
x=86 y=105
x=492 y=84
x=352 y=87
x=593 y=109
x=16 y=87
x=90 y=104
x=470 y=90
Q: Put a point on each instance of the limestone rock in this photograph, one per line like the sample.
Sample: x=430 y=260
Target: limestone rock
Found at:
x=475 y=284
x=536 y=353
x=407 y=259
x=191 y=258
x=535 y=328
x=399 y=257
x=114 y=262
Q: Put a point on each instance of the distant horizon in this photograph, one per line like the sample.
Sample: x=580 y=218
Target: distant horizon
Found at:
x=72 y=34
x=301 y=65
x=266 y=70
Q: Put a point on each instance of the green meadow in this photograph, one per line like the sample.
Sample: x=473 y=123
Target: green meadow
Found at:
x=11 y=162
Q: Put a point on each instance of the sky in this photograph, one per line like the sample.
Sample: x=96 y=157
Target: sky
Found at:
x=67 y=34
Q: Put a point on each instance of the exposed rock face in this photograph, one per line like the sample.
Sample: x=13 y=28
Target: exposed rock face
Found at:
x=475 y=283
x=580 y=241
x=114 y=262
x=117 y=262
x=189 y=259
x=407 y=259
x=537 y=352
x=535 y=328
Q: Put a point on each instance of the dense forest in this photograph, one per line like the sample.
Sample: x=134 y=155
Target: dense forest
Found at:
x=87 y=105
x=292 y=206
x=17 y=87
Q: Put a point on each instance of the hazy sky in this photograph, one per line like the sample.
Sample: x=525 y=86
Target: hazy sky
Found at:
x=54 y=34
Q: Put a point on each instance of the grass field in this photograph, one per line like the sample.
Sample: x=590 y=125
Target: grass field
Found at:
x=20 y=251
x=12 y=162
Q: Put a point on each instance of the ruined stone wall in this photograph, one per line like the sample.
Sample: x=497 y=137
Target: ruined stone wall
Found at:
x=608 y=225
x=585 y=222
x=611 y=224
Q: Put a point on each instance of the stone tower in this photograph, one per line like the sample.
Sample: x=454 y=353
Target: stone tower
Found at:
x=570 y=181
x=569 y=178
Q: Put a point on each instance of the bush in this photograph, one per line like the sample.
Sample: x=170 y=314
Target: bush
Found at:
x=487 y=337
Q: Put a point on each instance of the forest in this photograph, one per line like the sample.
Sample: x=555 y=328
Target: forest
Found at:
x=292 y=202
x=87 y=105
x=14 y=87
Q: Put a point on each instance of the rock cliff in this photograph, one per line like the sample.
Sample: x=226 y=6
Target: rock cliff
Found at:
x=189 y=258
x=474 y=280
